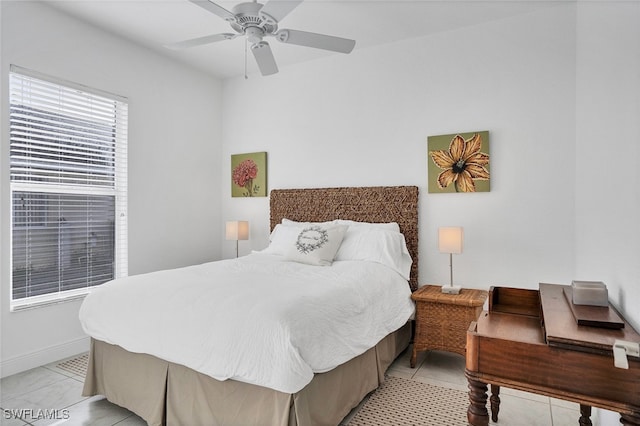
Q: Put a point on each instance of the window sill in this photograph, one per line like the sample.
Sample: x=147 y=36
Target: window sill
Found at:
x=47 y=300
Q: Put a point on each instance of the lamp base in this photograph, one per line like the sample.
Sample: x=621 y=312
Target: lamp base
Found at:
x=451 y=289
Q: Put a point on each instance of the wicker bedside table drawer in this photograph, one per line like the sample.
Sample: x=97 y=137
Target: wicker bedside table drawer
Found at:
x=442 y=319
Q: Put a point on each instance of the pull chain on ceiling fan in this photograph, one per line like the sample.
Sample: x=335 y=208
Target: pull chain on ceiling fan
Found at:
x=256 y=21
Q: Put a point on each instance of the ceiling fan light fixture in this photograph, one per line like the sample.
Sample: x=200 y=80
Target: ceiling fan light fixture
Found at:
x=254 y=34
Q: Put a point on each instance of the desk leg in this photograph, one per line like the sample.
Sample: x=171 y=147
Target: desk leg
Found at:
x=477 y=413
x=630 y=419
x=585 y=415
x=495 y=402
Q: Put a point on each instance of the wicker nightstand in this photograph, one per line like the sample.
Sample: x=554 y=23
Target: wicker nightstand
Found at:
x=442 y=319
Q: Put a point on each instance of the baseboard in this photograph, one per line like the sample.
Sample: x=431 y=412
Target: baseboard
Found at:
x=43 y=357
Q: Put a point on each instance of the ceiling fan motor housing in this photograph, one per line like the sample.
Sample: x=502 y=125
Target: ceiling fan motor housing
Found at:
x=248 y=19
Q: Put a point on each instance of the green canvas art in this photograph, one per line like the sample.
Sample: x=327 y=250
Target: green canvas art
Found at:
x=458 y=162
x=249 y=175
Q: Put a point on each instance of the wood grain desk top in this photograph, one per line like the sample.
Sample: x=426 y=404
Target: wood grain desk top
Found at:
x=562 y=330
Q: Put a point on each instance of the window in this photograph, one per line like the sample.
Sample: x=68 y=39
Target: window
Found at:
x=68 y=161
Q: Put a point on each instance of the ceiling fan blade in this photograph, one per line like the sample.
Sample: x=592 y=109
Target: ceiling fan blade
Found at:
x=215 y=9
x=201 y=40
x=319 y=41
x=274 y=10
x=264 y=58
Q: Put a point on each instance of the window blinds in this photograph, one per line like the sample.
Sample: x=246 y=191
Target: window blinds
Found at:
x=68 y=167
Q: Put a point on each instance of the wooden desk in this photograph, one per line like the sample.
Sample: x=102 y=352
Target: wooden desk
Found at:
x=529 y=340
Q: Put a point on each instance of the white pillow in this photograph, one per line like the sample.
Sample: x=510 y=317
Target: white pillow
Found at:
x=281 y=239
x=315 y=244
x=289 y=222
x=391 y=226
x=376 y=245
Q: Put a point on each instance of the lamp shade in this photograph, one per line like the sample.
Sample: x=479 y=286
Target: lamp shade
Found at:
x=450 y=239
x=237 y=230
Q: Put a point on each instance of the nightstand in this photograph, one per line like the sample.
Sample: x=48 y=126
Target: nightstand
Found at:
x=442 y=319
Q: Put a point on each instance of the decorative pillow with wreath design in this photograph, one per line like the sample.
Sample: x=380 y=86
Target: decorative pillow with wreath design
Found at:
x=316 y=244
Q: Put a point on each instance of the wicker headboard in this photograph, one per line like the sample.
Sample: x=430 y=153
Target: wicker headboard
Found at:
x=376 y=204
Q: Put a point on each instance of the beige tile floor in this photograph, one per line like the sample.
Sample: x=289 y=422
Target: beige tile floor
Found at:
x=49 y=387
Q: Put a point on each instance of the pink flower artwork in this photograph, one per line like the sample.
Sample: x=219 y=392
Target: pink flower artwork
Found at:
x=249 y=174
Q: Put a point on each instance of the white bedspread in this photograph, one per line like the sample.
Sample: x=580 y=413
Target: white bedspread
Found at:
x=257 y=319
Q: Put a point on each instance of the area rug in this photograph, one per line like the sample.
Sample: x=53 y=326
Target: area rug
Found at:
x=403 y=402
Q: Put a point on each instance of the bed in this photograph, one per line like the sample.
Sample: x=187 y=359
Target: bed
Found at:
x=163 y=390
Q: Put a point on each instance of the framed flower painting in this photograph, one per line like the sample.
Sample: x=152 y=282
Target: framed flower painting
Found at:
x=249 y=175
x=458 y=162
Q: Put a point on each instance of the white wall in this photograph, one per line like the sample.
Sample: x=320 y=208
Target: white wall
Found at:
x=607 y=154
x=174 y=160
x=364 y=118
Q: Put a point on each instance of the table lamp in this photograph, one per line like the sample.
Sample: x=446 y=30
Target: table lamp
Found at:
x=237 y=230
x=450 y=241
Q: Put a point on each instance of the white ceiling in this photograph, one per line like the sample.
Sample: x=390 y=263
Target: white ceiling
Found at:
x=155 y=23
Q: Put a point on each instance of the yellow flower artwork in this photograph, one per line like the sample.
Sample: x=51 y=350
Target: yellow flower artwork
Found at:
x=459 y=162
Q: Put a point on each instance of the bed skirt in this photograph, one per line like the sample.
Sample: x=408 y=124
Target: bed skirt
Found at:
x=164 y=393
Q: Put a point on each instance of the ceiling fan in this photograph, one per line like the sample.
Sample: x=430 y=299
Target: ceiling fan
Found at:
x=256 y=21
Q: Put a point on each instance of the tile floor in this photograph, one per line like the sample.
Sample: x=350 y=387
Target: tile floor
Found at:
x=49 y=387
